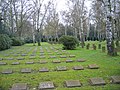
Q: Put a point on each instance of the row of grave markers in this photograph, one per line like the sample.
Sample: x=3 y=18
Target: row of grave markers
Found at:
x=44 y=69
x=68 y=83
x=41 y=57
x=43 y=61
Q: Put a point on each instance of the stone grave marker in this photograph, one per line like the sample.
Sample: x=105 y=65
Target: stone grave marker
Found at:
x=52 y=57
x=73 y=83
x=50 y=53
x=20 y=58
x=42 y=54
x=15 y=55
x=41 y=51
x=71 y=56
x=30 y=62
x=1 y=58
x=94 y=47
x=23 y=54
x=10 y=58
x=56 y=61
x=61 y=68
x=26 y=70
x=103 y=49
x=63 y=56
x=43 y=70
x=99 y=46
x=59 y=53
x=43 y=61
x=11 y=52
x=6 y=55
x=42 y=57
x=93 y=66
x=88 y=46
x=46 y=85
x=69 y=61
x=20 y=86
x=81 y=60
x=7 y=71
x=115 y=79
x=97 y=81
x=56 y=51
x=3 y=63
x=32 y=57
x=78 y=68
x=15 y=63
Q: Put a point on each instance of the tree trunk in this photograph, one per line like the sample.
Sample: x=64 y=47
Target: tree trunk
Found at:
x=109 y=35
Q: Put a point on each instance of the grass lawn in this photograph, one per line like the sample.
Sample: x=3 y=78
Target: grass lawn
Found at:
x=109 y=66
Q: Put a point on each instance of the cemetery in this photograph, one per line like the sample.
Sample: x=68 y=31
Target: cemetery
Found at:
x=59 y=44
x=77 y=69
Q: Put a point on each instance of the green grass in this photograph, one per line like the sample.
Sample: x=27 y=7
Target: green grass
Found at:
x=109 y=66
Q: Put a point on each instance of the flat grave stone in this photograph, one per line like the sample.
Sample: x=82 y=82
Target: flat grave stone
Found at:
x=26 y=70
x=56 y=61
x=73 y=83
x=52 y=57
x=61 y=68
x=115 y=79
x=43 y=61
x=42 y=54
x=23 y=54
x=42 y=57
x=71 y=56
x=81 y=60
x=6 y=55
x=7 y=71
x=93 y=66
x=15 y=54
x=11 y=52
x=50 y=53
x=3 y=63
x=32 y=57
x=69 y=61
x=63 y=56
x=30 y=62
x=18 y=52
x=56 y=51
x=59 y=53
x=10 y=59
x=41 y=51
x=43 y=69
x=1 y=58
x=19 y=86
x=97 y=81
x=20 y=58
x=78 y=68
x=15 y=63
x=46 y=85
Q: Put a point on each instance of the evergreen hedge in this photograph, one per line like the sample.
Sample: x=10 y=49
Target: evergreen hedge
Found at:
x=5 y=42
x=69 y=42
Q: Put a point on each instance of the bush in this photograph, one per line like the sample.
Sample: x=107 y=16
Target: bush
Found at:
x=28 y=40
x=5 y=42
x=17 y=41
x=69 y=42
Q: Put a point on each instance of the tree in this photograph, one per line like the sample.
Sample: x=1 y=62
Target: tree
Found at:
x=109 y=34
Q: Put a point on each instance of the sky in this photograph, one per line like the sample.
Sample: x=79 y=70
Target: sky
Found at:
x=61 y=4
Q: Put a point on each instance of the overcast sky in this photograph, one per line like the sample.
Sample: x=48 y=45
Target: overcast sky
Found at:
x=61 y=4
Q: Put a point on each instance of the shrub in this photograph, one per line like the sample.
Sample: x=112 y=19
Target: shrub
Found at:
x=69 y=42
x=28 y=40
x=5 y=42
x=17 y=41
